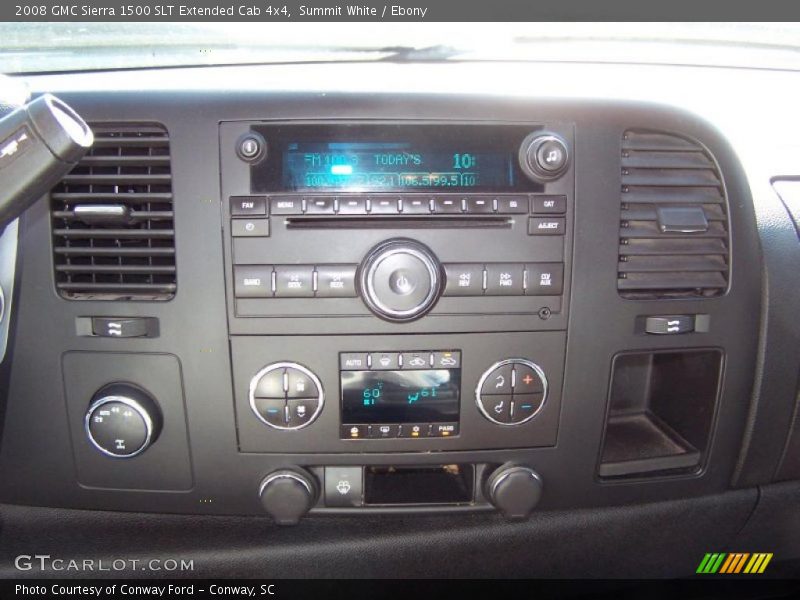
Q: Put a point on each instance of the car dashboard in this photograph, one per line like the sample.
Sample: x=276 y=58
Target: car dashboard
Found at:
x=522 y=313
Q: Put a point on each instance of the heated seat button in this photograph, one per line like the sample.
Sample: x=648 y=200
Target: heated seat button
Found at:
x=294 y=281
x=504 y=279
x=463 y=279
x=336 y=281
x=354 y=432
x=498 y=381
x=272 y=410
x=301 y=411
x=526 y=380
x=343 y=487
x=497 y=408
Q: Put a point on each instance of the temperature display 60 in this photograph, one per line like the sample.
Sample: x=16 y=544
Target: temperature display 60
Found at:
x=425 y=396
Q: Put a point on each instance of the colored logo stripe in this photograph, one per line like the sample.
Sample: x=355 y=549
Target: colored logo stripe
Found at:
x=735 y=562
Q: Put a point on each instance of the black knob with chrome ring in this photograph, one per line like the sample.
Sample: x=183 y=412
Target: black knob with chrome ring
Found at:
x=515 y=490
x=288 y=494
x=400 y=280
x=544 y=156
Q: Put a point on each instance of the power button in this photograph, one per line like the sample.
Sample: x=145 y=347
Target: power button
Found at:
x=251 y=147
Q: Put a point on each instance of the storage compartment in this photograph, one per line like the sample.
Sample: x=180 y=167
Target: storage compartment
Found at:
x=440 y=484
x=661 y=410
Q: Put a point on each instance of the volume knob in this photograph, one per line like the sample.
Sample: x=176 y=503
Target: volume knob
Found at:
x=400 y=280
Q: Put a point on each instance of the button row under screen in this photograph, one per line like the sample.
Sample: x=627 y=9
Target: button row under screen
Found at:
x=423 y=204
x=384 y=431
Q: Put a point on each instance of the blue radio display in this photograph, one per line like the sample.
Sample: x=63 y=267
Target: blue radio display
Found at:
x=392 y=166
x=426 y=396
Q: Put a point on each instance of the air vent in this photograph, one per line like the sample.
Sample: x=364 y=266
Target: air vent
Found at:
x=112 y=217
x=674 y=239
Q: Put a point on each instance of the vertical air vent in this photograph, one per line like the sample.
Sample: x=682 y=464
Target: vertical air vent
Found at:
x=674 y=239
x=112 y=217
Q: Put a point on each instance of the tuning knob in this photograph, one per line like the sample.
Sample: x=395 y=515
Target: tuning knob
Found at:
x=543 y=156
x=123 y=420
x=288 y=494
x=515 y=490
x=400 y=280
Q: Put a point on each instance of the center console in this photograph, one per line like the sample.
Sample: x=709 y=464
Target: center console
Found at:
x=430 y=232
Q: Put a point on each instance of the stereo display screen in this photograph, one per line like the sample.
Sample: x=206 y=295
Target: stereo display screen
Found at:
x=424 y=396
x=390 y=157
x=391 y=166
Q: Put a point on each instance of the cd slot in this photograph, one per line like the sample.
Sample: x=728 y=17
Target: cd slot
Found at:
x=395 y=222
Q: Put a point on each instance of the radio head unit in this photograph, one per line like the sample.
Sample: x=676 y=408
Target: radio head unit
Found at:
x=364 y=158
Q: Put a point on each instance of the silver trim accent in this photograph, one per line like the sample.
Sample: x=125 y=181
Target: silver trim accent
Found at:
x=101 y=210
x=373 y=261
x=8 y=265
x=502 y=363
x=284 y=475
x=527 y=156
x=284 y=365
x=507 y=473
x=131 y=403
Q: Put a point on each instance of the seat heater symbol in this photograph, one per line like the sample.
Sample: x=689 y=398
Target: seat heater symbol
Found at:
x=343 y=487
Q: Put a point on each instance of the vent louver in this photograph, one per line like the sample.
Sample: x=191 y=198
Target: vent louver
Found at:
x=112 y=218
x=674 y=239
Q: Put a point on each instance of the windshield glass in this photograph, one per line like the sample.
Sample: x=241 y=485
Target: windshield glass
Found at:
x=59 y=47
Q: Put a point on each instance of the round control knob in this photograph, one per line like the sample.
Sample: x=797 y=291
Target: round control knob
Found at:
x=543 y=156
x=122 y=421
x=515 y=490
x=400 y=280
x=251 y=147
x=511 y=392
x=286 y=395
x=288 y=494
